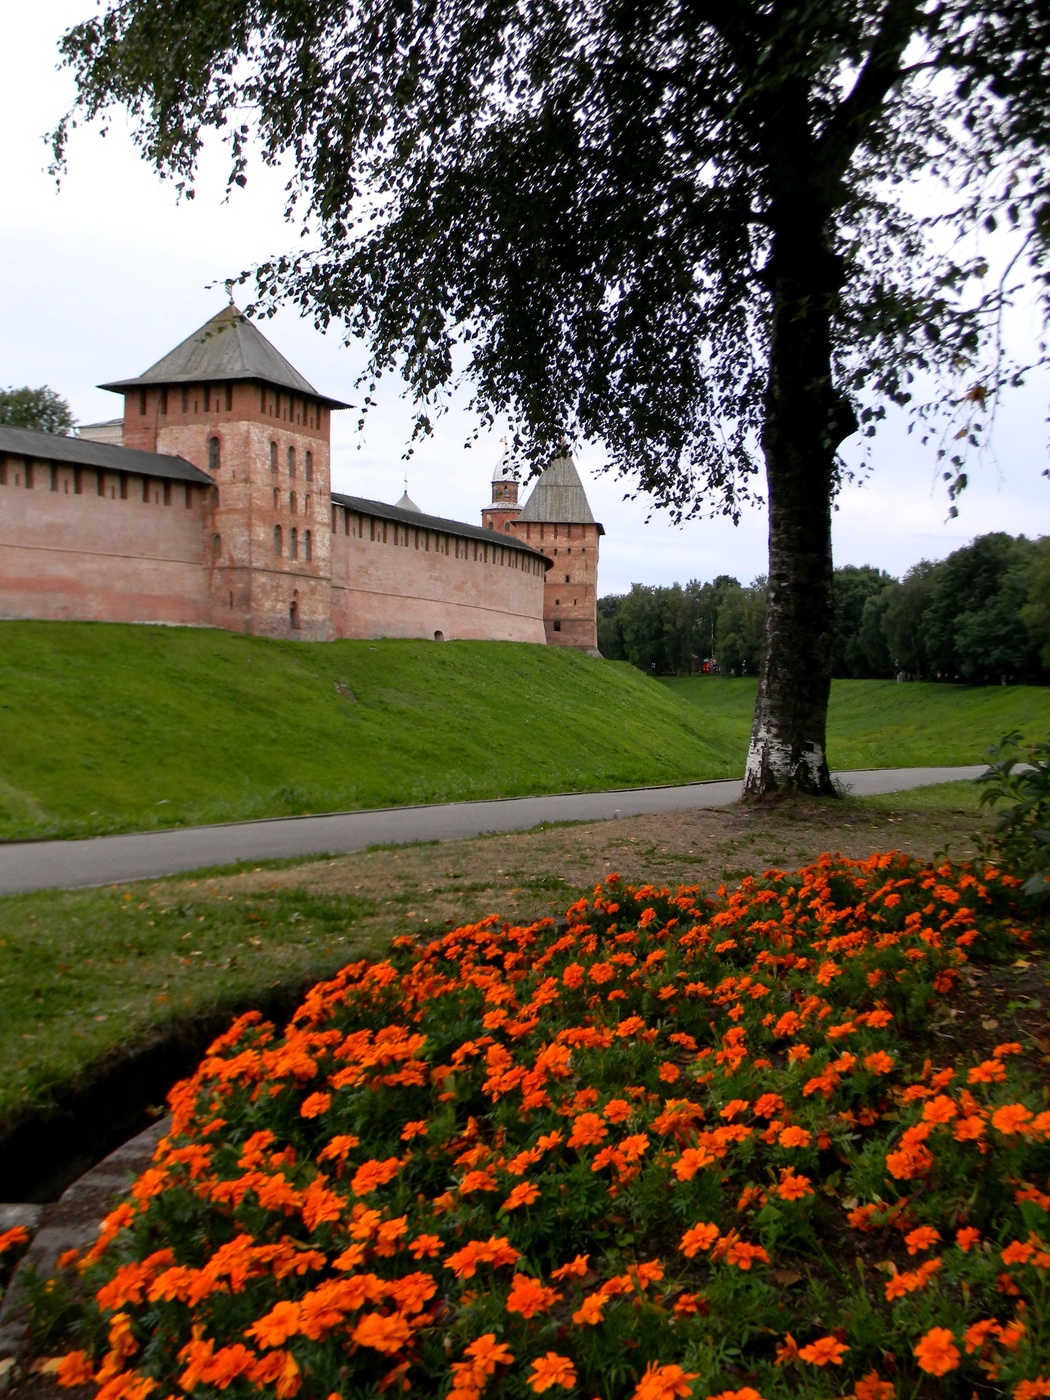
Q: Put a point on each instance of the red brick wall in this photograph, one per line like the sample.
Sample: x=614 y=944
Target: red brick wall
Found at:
x=114 y=557
x=412 y=583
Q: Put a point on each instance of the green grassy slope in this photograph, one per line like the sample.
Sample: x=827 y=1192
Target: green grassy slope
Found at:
x=107 y=728
x=879 y=724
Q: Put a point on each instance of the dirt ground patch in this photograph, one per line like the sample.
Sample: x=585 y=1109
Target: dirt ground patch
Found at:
x=532 y=873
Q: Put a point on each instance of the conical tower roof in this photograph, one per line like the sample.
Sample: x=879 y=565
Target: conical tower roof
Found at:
x=407 y=503
x=229 y=346
x=559 y=496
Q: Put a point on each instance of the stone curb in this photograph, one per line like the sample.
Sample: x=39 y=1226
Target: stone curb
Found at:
x=68 y=1223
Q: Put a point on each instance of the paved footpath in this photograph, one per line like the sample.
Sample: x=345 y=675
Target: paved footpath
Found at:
x=147 y=855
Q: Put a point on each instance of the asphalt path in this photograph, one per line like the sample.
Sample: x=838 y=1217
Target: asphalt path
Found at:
x=147 y=855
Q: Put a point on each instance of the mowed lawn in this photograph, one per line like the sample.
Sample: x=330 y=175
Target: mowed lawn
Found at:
x=109 y=728
x=880 y=724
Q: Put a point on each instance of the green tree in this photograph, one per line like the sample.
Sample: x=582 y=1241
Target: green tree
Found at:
x=741 y=627
x=679 y=229
x=854 y=587
x=972 y=626
x=41 y=408
x=1036 y=611
x=902 y=619
x=610 y=637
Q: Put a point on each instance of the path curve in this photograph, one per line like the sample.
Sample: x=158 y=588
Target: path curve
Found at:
x=148 y=855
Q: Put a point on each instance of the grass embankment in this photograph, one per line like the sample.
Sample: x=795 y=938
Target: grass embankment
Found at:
x=87 y=974
x=879 y=724
x=112 y=728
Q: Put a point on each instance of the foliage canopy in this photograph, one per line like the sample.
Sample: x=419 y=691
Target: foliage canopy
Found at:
x=41 y=408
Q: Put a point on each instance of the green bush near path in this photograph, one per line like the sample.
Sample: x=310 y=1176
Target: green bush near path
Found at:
x=882 y=724
x=109 y=728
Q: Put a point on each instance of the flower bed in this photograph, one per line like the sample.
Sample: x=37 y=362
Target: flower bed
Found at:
x=674 y=1146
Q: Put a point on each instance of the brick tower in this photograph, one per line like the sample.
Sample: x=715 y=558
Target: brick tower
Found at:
x=557 y=520
x=228 y=402
x=504 y=509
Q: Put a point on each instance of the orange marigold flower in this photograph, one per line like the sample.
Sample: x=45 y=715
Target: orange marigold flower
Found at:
x=969 y=1129
x=936 y=1352
x=1017 y=1252
x=870 y=1387
x=733 y=1107
x=978 y=1334
x=1032 y=1390
x=746 y=1392
x=1011 y=1118
x=416 y=1128
x=522 y=1195
x=742 y=1255
x=795 y=1137
x=314 y=1105
x=794 y=1187
x=588 y=1130
x=425 y=1247
x=576 y=1268
x=373 y=1174
x=967 y=1237
x=385 y=1334
x=823 y=1351
x=276 y=1326
x=1009 y=1047
x=528 y=1296
x=18 y=1234
x=925 y=1237
x=617 y=1110
x=664 y=1383
x=464 y=1263
x=486 y=1353
x=550 y=1370
x=589 y=1313
x=878 y=1062
x=75 y=1368
x=701 y=1236
x=942 y=1109
x=987 y=1072
x=668 y=1072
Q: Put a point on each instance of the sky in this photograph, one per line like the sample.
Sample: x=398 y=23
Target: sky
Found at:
x=101 y=277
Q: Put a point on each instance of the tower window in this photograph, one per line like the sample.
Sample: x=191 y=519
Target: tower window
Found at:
x=207 y=398
x=276 y=498
x=291 y=502
x=229 y=397
x=213 y=454
x=566 y=578
x=216 y=546
x=293 y=615
x=293 y=543
x=308 y=466
x=277 y=541
x=185 y=398
x=557 y=625
x=273 y=456
x=308 y=552
x=291 y=461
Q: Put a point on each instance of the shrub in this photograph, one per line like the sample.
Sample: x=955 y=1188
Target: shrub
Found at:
x=1017 y=782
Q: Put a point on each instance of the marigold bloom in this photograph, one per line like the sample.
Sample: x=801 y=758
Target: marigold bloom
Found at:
x=464 y=1262
x=528 y=1296
x=664 y=1383
x=701 y=1236
x=486 y=1353
x=733 y=1107
x=314 y=1105
x=823 y=1351
x=967 y=1237
x=576 y=1268
x=384 y=1334
x=870 y=1387
x=551 y=1370
x=936 y=1352
x=425 y=1247
x=942 y=1109
x=18 y=1234
x=588 y=1130
x=742 y=1255
x=373 y=1174
x=1011 y=1118
x=75 y=1368
x=276 y=1326
x=589 y=1313
x=925 y=1237
x=878 y=1062
x=416 y=1128
x=794 y=1187
x=987 y=1072
x=1017 y=1252
x=522 y=1195
x=617 y=1110
x=795 y=1137
x=1032 y=1390
x=746 y=1392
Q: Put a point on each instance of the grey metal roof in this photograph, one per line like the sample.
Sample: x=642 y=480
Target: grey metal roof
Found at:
x=434 y=522
x=229 y=346
x=558 y=497
x=51 y=447
x=407 y=503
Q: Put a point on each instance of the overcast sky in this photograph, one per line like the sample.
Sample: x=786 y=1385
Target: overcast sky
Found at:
x=101 y=278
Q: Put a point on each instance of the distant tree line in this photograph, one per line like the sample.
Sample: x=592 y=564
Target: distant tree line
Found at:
x=981 y=615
